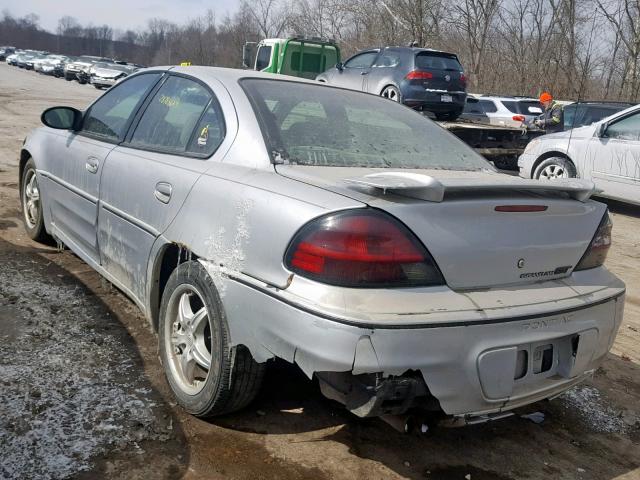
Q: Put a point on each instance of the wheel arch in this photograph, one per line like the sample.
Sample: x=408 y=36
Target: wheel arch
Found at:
x=168 y=258
x=387 y=85
x=25 y=155
x=550 y=154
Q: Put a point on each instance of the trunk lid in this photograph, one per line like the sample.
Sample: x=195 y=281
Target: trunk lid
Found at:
x=454 y=214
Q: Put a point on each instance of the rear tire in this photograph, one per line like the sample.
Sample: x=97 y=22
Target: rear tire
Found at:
x=554 y=168
x=31 y=202
x=392 y=93
x=193 y=335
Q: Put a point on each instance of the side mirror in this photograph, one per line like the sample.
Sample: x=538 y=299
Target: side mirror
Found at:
x=339 y=66
x=601 y=132
x=248 y=54
x=62 y=118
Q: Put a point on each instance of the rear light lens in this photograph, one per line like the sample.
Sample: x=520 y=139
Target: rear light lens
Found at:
x=363 y=248
x=463 y=79
x=599 y=246
x=418 y=75
x=518 y=118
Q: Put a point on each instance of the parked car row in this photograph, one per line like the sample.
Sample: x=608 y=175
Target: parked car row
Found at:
x=101 y=72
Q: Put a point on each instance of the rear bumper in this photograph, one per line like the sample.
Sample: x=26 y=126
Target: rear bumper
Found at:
x=416 y=96
x=470 y=367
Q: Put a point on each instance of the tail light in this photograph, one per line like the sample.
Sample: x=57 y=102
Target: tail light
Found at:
x=463 y=79
x=418 y=75
x=599 y=246
x=518 y=118
x=361 y=248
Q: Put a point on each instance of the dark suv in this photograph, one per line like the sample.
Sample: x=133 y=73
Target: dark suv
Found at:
x=428 y=80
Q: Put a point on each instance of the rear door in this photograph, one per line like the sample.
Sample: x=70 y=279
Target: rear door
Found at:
x=146 y=179
x=75 y=176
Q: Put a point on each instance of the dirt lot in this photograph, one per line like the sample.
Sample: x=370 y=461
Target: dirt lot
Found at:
x=82 y=393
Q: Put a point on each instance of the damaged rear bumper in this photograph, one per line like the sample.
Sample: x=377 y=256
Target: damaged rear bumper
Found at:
x=467 y=369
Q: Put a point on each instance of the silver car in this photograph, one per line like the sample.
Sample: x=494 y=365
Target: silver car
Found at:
x=252 y=217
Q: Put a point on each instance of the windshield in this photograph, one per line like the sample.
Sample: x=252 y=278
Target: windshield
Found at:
x=308 y=124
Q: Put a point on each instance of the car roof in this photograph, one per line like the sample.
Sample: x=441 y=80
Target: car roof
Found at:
x=228 y=74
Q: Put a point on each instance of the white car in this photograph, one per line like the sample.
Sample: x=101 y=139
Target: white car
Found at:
x=605 y=152
x=503 y=111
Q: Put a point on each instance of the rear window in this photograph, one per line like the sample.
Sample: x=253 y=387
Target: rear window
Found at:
x=523 y=107
x=437 y=62
x=306 y=124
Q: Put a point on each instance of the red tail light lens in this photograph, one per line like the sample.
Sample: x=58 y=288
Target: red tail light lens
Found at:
x=518 y=118
x=463 y=79
x=418 y=75
x=599 y=246
x=361 y=248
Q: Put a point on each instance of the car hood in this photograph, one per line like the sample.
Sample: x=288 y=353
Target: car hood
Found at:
x=580 y=132
x=467 y=220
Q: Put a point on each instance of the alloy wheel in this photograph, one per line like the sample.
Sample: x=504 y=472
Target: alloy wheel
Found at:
x=551 y=172
x=31 y=200
x=188 y=339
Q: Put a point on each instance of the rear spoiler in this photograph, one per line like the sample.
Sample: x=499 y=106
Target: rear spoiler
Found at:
x=425 y=187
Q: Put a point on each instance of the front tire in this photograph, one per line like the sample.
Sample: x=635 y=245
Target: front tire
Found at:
x=31 y=201
x=554 y=168
x=207 y=376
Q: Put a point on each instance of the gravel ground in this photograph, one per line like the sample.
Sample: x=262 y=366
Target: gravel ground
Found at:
x=82 y=394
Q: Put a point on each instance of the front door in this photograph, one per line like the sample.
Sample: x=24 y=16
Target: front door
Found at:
x=75 y=176
x=355 y=70
x=612 y=160
x=146 y=179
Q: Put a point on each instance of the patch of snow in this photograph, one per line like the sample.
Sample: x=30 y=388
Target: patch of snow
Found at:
x=587 y=402
x=69 y=389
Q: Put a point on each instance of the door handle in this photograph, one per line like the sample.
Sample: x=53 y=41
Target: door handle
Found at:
x=92 y=164
x=364 y=73
x=163 y=192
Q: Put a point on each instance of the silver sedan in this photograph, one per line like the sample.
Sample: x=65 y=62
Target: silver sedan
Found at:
x=252 y=216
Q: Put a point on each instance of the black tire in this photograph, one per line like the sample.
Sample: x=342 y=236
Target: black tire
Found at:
x=33 y=218
x=392 y=93
x=68 y=78
x=98 y=87
x=559 y=165
x=234 y=377
x=448 y=116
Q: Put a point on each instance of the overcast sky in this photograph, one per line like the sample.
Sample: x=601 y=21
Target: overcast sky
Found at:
x=119 y=14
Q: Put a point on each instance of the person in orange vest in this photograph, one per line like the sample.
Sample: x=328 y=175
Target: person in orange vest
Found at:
x=552 y=119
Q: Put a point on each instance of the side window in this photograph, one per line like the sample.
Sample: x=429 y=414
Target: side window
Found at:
x=474 y=107
x=209 y=132
x=172 y=115
x=388 y=59
x=362 y=60
x=626 y=129
x=108 y=117
x=488 y=106
x=263 y=58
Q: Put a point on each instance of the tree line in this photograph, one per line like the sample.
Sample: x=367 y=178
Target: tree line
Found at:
x=577 y=49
